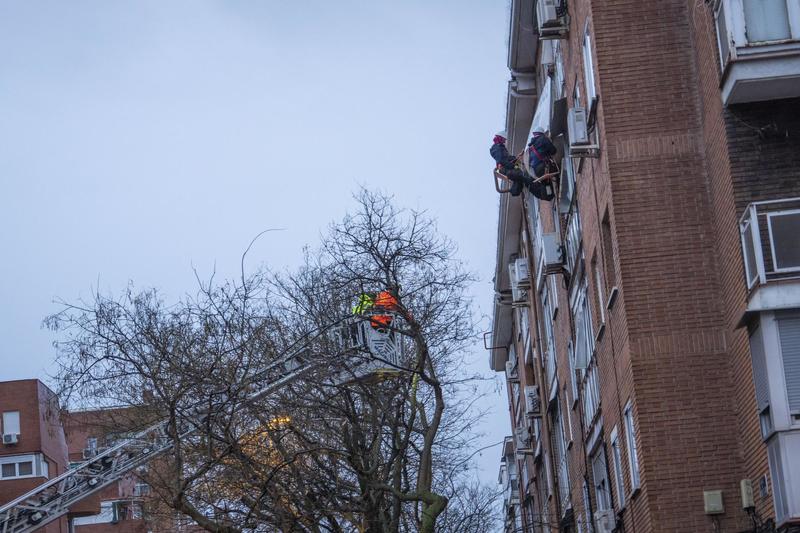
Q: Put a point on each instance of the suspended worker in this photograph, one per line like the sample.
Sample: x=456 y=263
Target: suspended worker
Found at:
x=512 y=169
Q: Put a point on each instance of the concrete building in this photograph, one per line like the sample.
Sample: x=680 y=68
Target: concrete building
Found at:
x=648 y=319
x=41 y=442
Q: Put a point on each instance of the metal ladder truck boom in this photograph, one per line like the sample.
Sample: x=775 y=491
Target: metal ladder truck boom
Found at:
x=52 y=500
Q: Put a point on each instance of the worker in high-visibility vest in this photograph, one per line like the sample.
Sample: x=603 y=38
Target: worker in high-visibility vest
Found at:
x=382 y=304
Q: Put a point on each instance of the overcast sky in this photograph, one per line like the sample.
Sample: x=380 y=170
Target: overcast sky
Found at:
x=139 y=140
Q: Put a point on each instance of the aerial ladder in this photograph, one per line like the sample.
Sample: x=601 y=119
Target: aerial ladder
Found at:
x=378 y=350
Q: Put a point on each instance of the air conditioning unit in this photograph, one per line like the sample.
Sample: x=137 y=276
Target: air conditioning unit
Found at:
x=522 y=273
x=552 y=18
x=522 y=439
x=551 y=250
x=88 y=453
x=604 y=521
x=511 y=371
x=533 y=406
x=580 y=142
x=518 y=294
x=10 y=438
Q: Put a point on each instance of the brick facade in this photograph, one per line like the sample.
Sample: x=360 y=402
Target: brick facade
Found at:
x=676 y=170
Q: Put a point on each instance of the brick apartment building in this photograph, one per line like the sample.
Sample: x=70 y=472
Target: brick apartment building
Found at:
x=648 y=320
x=40 y=443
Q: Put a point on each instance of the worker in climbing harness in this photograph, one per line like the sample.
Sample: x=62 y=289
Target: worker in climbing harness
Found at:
x=512 y=169
x=540 y=155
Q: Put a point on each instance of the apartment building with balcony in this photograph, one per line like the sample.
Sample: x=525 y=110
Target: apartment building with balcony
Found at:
x=41 y=442
x=647 y=321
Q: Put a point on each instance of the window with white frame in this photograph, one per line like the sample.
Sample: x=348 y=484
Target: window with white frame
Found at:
x=23 y=466
x=602 y=489
x=573 y=379
x=633 y=454
x=784 y=227
x=591 y=394
x=767 y=20
x=587 y=512
x=569 y=422
x=573 y=239
x=524 y=328
x=600 y=293
x=560 y=450
x=616 y=463
x=11 y=424
x=548 y=309
x=109 y=513
x=742 y=23
x=588 y=68
x=775 y=357
x=584 y=329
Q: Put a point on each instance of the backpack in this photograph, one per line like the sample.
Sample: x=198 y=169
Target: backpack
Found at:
x=541 y=150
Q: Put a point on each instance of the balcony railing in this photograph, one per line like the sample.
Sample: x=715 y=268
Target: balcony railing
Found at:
x=770 y=233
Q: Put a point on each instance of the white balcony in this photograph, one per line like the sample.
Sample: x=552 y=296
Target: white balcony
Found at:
x=759 y=44
x=771 y=254
x=770 y=243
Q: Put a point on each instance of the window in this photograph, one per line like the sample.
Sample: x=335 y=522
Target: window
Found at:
x=633 y=456
x=789 y=334
x=573 y=380
x=761 y=380
x=573 y=239
x=588 y=69
x=600 y=296
x=586 y=511
x=775 y=358
x=524 y=332
x=784 y=226
x=11 y=423
x=91 y=443
x=766 y=20
x=616 y=462
x=560 y=450
x=608 y=253
x=547 y=319
x=751 y=247
x=591 y=395
x=23 y=466
x=584 y=330
x=602 y=491
x=108 y=514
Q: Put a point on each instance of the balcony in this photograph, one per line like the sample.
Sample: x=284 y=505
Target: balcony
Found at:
x=771 y=253
x=759 y=44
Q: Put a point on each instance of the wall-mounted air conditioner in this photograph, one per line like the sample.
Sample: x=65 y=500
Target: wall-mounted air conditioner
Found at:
x=518 y=294
x=580 y=140
x=551 y=250
x=533 y=405
x=10 y=438
x=511 y=371
x=522 y=439
x=604 y=521
x=522 y=273
x=552 y=18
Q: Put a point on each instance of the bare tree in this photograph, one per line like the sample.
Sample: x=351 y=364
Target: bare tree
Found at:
x=355 y=445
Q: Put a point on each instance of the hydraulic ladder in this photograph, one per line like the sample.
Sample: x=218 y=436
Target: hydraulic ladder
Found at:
x=51 y=500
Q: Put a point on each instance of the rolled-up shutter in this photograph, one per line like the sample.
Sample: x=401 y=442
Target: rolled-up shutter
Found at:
x=789 y=332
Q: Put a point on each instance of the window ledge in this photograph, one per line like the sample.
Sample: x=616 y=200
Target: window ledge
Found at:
x=612 y=297
x=601 y=331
